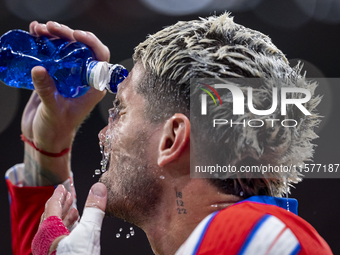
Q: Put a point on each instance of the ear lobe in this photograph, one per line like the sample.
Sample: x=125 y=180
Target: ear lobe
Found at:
x=175 y=136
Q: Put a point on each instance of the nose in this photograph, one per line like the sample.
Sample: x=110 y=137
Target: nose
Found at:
x=102 y=134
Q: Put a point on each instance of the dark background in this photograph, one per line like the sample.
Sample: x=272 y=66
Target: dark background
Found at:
x=302 y=29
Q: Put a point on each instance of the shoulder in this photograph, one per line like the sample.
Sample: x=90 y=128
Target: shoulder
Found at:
x=254 y=228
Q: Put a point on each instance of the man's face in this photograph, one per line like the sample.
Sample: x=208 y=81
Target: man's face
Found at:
x=131 y=177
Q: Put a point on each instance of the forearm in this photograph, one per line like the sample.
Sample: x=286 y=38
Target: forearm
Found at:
x=42 y=170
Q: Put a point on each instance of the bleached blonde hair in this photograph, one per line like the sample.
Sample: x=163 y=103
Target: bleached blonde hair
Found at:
x=216 y=47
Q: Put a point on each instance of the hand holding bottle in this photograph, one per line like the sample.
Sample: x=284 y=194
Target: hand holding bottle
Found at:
x=51 y=120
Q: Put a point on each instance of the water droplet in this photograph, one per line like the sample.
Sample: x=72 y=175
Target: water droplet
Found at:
x=120 y=230
x=131 y=228
x=97 y=171
x=127 y=235
x=132 y=233
x=162 y=177
x=117 y=235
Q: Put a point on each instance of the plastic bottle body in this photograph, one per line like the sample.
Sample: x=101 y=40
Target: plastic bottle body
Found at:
x=69 y=69
x=65 y=62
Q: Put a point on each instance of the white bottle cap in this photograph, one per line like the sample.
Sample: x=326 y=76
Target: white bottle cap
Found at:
x=98 y=74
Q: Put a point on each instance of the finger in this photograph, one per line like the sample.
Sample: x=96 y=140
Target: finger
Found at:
x=54 y=205
x=86 y=236
x=61 y=31
x=67 y=205
x=32 y=26
x=41 y=30
x=101 y=52
x=71 y=217
x=44 y=86
x=97 y=197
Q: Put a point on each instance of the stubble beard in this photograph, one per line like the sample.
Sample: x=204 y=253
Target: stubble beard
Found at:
x=132 y=185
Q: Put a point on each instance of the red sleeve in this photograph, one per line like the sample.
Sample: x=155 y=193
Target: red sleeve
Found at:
x=27 y=205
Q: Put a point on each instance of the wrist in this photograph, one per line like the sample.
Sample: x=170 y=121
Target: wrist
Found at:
x=52 y=142
x=49 y=230
x=43 y=170
x=46 y=153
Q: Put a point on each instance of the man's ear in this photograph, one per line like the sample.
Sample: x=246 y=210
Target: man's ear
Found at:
x=174 y=139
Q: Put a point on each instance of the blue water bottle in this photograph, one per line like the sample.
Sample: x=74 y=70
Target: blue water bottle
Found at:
x=70 y=64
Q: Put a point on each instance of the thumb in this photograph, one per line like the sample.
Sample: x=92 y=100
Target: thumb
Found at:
x=85 y=238
x=44 y=85
x=95 y=205
x=97 y=196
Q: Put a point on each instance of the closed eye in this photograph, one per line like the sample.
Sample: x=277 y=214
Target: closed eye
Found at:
x=118 y=105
